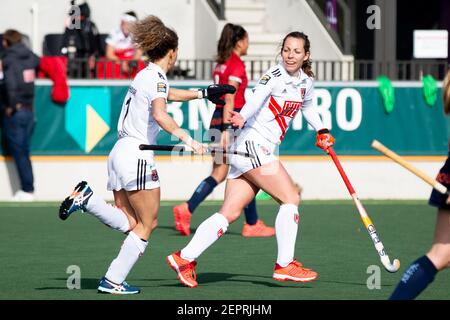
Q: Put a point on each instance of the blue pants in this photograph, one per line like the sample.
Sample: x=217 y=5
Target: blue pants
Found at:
x=17 y=131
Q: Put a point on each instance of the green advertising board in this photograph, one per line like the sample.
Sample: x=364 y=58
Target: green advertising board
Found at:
x=353 y=111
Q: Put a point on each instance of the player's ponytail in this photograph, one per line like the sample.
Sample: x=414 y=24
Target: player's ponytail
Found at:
x=153 y=37
x=231 y=34
x=307 y=65
x=446 y=93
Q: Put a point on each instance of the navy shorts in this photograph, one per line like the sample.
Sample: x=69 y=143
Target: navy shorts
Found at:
x=216 y=125
x=438 y=199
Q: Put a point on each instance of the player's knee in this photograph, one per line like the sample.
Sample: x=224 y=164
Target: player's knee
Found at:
x=446 y=257
x=292 y=198
x=443 y=262
x=231 y=215
x=440 y=256
x=219 y=176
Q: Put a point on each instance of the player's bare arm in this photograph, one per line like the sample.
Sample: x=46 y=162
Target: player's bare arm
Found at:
x=182 y=95
x=213 y=93
x=166 y=122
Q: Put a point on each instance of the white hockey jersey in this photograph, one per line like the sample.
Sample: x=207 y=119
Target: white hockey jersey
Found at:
x=276 y=100
x=136 y=118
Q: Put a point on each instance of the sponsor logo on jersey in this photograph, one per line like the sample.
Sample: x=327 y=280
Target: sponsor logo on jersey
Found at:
x=443 y=177
x=161 y=87
x=296 y=218
x=290 y=109
x=220 y=233
x=221 y=68
x=265 y=78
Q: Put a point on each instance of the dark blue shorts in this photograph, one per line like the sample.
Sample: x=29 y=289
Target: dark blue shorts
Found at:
x=216 y=124
x=438 y=199
x=217 y=119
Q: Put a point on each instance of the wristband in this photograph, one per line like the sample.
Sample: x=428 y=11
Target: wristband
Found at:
x=189 y=140
x=201 y=94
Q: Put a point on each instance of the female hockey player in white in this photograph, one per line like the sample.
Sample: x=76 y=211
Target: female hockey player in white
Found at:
x=283 y=91
x=132 y=175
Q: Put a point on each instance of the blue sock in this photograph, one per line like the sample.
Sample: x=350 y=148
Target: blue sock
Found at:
x=415 y=279
x=251 y=217
x=203 y=190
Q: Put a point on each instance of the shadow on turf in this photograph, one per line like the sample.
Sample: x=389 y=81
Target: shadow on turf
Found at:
x=204 y=278
x=86 y=284
x=176 y=233
x=212 y=277
x=364 y=284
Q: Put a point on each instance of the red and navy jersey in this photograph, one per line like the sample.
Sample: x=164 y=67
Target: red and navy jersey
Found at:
x=233 y=69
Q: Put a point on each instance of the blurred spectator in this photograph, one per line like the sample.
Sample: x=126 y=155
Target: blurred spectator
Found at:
x=2 y=97
x=331 y=13
x=120 y=46
x=81 y=41
x=19 y=72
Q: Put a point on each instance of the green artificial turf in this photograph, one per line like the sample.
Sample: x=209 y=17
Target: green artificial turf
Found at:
x=36 y=248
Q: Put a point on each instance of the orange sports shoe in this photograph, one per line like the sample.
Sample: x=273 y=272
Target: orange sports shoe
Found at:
x=294 y=271
x=185 y=270
x=257 y=230
x=182 y=217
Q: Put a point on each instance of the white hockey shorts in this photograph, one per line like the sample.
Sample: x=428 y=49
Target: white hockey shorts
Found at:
x=130 y=168
x=249 y=140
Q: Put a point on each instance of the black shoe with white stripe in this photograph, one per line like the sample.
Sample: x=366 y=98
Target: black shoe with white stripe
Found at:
x=76 y=201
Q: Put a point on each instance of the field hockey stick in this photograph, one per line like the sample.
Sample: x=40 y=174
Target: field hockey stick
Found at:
x=392 y=155
x=391 y=267
x=184 y=148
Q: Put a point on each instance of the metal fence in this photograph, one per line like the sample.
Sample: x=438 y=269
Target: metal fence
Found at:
x=198 y=69
x=401 y=70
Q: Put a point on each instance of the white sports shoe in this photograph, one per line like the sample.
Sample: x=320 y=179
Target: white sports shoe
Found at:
x=22 y=196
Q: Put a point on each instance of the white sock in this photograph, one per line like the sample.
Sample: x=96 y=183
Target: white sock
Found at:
x=206 y=234
x=111 y=216
x=286 y=226
x=132 y=248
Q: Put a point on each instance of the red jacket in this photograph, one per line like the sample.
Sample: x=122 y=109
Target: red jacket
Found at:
x=55 y=68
